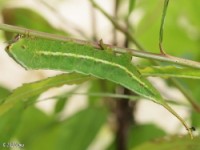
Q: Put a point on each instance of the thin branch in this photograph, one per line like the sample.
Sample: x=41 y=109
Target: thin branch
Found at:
x=162 y=26
x=93 y=23
x=111 y=95
x=116 y=7
x=137 y=53
x=124 y=112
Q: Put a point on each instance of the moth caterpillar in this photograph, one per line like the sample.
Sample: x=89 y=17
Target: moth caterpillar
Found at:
x=38 y=53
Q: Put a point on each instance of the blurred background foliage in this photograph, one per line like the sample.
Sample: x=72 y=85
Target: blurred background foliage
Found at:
x=89 y=126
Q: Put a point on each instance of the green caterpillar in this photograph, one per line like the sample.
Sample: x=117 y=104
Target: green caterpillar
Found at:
x=38 y=53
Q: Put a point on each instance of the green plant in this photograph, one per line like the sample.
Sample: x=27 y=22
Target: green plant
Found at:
x=105 y=68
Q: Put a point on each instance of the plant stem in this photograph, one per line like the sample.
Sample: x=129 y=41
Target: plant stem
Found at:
x=124 y=118
x=93 y=23
x=137 y=53
x=124 y=112
x=114 y=42
x=108 y=95
x=162 y=26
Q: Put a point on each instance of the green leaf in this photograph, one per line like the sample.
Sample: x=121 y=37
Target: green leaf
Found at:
x=38 y=53
x=162 y=24
x=32 y=20
x=131 y=6
x=195 y=118
x=60 y=104
x=62 y=99
x=171 y=71
x=2 y=3
x=171 y=143
x=33 y=122
x=3 y=94
x=31 y=90
x=75 y=133
x=190 y=11
x=101 y=87
x=142 y=133
x=9 y=122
